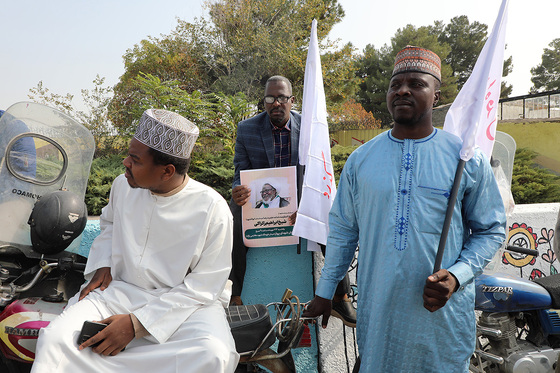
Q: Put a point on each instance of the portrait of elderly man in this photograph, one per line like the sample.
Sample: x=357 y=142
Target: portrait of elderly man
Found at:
x=158 y=271
x=270 y=198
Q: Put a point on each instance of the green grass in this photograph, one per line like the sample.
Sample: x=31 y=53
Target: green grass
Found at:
x=541 y=137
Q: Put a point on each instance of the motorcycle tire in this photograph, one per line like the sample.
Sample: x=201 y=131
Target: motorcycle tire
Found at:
x=11 y=366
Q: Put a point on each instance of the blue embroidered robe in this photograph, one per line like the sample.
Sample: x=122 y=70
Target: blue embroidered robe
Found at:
x=392 y=199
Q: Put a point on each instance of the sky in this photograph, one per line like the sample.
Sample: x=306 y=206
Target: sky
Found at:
x=67 y=43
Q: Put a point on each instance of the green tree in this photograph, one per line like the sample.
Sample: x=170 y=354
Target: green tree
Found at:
x=375 y=67
x=371 y=69
x=546 y=75
x=339 y=156
x=237 y=49
x=175 y=57
x=215 y=170
x=458 y=44
x=94 y=117
x=466 y=41
x=257 y=39
x=102 y=173
x=216 y=115
x=505 y=88
x=43 y=95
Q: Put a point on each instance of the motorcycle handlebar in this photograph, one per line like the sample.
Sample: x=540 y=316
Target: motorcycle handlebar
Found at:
x=522 y=250
x=66 y=264
x=79 y=266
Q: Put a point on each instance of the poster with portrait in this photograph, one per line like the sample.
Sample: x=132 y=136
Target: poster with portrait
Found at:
x=273 y=199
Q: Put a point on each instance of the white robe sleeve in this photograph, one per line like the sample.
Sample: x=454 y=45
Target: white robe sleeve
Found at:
x=203 y=284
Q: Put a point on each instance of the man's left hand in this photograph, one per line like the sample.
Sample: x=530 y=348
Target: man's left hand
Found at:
x=438 y=289
x=319 y=307
x=114 y=338
x=292 y=218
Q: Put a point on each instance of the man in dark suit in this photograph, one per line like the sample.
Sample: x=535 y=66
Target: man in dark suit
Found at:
x=270 y=139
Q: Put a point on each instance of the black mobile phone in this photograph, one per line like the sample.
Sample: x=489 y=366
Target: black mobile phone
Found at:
x=89 y=329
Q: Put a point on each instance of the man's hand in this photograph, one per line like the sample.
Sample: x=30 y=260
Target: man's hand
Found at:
x=438 y=289
x=317 y=307
x=292 y=218
x=241 y=194
x=101 y=279
x=114 y=338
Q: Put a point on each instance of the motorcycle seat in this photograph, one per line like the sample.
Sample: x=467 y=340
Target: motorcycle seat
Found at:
x=250 y=325
x=552 y=285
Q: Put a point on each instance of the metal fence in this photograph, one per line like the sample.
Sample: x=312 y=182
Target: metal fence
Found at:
x=545 y=105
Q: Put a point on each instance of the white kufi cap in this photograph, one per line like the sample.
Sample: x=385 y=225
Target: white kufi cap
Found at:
x=167 y=132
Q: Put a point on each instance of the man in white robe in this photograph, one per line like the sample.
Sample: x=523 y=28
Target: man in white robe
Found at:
x=158 y=272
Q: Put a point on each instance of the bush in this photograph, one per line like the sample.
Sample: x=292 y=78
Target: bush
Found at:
x=531 y=184
x=339 y=155
x=215 y=170
x=103 y=171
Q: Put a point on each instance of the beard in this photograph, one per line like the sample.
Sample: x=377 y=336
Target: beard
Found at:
x=409 y=120
x=277 y=118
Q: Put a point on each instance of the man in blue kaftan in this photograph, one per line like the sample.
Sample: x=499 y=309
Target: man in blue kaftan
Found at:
x=391 y=200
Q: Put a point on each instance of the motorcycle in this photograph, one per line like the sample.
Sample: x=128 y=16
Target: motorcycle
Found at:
x=45 y=157
x=43 y=153
x=254 y=333
x=518 y=329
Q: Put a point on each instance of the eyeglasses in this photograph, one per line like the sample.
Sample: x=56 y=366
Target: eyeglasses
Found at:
x=280 y=99
x=267 y=191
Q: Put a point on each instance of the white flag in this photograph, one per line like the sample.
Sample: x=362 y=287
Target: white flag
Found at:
x=474 y=113
x=319 y=187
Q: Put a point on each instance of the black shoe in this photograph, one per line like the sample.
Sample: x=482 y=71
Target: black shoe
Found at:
x=345 y=311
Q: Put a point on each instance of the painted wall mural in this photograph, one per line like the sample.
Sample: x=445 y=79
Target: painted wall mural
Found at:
x=524 y=235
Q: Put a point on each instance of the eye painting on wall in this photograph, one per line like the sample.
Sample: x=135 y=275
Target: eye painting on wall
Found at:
x=522 y=235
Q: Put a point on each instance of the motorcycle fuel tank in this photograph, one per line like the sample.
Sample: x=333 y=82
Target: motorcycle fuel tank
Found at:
x=501 y=292
x=20 y=323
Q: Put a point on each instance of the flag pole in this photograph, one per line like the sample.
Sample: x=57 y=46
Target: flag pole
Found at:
x=299 y=178
x=473 y=115
x=449 y=214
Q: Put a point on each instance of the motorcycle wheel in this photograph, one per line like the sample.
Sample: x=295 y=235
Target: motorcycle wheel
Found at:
x=11 y=366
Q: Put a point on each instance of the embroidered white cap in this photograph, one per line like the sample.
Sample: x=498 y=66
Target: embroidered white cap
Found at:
x=168 y=132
